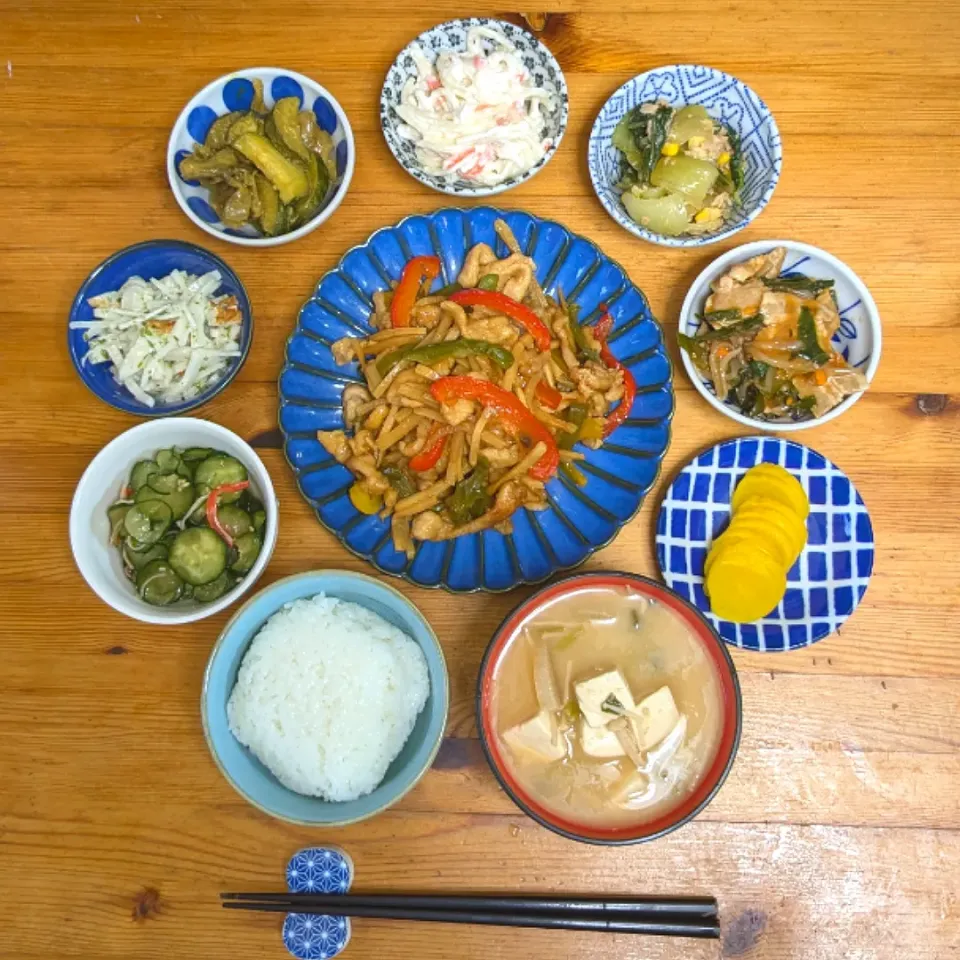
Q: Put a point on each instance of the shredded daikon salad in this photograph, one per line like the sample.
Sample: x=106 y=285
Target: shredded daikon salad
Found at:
x=166 y=339
x=476 y=114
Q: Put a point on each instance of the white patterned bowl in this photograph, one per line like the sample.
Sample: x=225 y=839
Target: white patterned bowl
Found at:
x=234 y=91
x=858 y=340
x=452 y=36
x=727 y=100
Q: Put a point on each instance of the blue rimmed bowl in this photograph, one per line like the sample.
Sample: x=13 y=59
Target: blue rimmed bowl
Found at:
x=234 y=91
x=151 y=260
x=726 y=99
x=580 y=520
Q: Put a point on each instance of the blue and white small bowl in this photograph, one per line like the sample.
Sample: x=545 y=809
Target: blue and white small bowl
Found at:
x=858 y=340
x=727 y=100
x=152 y=260
x=452 y=36
x=234 y=91
x=828 y=579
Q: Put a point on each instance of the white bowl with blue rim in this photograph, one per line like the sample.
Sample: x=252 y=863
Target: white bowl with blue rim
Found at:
x=858 y=340
x=244 y=772
x=727 y=100
x=828 y=579
x=151 y=260
x=452 y=37
x=234 y=91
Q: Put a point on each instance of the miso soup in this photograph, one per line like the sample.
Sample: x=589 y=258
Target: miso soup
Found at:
x=607 y=708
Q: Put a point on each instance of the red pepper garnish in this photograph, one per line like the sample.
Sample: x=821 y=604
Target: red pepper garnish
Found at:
x=433 y=450
x=212 y=519
x=549 y=397
x=601 y=330
x=419 y=270
x=509 y=307
x=510 y=410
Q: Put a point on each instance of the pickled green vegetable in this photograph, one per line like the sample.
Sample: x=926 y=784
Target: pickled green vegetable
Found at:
x=319 y=141
x=147 y=522
x=214 y=590
x=217 y=471
x=138 y=559
x=218 y=134
x=692 y=178
x=198 y=555
x=158 y=583
x=223 y=161
x=691 y=121
x=177 y=492
x=286 y=120
x=142 y=471
x=289 y=179
x=234 y=520
x=667 y=215
x=260 y=518
x=248 y=549
x=271 y=219
x=115 y=514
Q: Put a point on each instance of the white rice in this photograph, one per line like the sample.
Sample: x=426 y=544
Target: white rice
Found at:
x=327 y=695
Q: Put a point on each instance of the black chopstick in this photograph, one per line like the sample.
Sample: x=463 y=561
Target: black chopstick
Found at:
x=703 y=908
x=665 y=927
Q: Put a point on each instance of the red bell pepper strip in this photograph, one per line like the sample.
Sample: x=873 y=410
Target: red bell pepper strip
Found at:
x=601 y=331
x=416 y=272
x=549 y=397
x=510 y=411
x=509 y=307
x=212 y=519
x=430 y=455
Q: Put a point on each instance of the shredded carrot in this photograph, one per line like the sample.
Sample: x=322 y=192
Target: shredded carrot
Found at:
x=820 y=377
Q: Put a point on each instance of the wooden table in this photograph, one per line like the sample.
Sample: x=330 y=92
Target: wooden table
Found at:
x=836 y=835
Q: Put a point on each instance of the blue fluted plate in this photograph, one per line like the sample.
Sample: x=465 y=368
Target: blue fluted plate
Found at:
x=314 y=936
x=828 y=579
x=580 y=520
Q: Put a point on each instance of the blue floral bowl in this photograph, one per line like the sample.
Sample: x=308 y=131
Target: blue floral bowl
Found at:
x=727 y=100
x=253 y=781
x=580 y=520
x=151 y=260
x=234 y=91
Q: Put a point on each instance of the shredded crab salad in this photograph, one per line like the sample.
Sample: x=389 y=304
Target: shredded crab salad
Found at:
x=167 y=339
x=476 y=115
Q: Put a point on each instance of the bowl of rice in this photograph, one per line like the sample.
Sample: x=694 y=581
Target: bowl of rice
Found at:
x=325 y=698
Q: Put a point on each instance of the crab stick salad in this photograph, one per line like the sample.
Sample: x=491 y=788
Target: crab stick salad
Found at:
x=476 y=115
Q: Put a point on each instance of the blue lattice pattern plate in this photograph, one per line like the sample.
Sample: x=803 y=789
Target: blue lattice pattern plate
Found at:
x=311 y=936
x=828 y=580
x=726 y=99
x=580 y=520
x=234 y=91
x=859 y=338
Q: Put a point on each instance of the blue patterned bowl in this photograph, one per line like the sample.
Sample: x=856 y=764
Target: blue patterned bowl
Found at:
x=580 y=520
x=828 y=579
x=452 y=36
x=859 y=338
x=151 y=260
x=727 y=100
x=246 y=774
x=234 y=91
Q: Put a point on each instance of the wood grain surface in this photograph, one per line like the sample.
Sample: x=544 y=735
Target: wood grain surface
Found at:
x=838 y=833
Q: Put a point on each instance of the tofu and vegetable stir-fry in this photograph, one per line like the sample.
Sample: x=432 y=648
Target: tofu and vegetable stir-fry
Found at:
x=475 y=395
x=764 y=342
x=187 y=525
x=270 y=168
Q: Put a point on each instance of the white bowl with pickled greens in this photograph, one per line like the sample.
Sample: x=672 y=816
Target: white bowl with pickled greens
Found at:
x=173 y=520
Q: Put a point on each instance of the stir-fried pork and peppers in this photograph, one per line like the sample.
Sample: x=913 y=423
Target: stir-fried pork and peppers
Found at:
x=475 y=396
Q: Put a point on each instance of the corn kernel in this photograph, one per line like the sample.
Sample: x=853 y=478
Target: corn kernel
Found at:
x=670 y=149
x=707 y=214
x=723 y=159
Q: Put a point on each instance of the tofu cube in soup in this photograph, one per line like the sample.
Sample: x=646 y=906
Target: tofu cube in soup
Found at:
x=599 y=741
x=539 y=736
x=604 y=697
x=654 y=717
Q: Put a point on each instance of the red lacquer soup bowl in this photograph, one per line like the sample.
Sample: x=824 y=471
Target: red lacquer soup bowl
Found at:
x=688 y=806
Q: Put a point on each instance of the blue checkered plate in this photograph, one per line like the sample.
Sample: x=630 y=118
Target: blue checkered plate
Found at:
x=829 y=578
